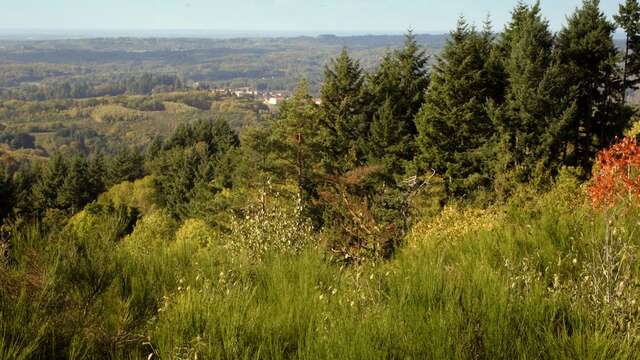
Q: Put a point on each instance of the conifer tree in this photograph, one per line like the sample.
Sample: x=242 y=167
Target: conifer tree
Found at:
x=96 y=172
x=388 y=141
x=343 y=116
x=126 y=165
x=528 y=113
x=295 y=136
x=402 y=79
x=455 y=129
x=75 y=191
x=586 y=61
x=24 y=184
x=629 y=20
x=50 y=182
x=194 y=167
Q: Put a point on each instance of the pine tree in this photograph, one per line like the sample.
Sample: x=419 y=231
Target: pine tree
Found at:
x=51 y=180
x=629 y=19
x=343 y=115
x=126 y=165
x=295 y=136
x=402 y=79
x=24 y=183
x=388 y=141
x=587 y=68
x=75 y=191
x=455 y=129
x=528 y=114
x=96 y=172
x=194 y=166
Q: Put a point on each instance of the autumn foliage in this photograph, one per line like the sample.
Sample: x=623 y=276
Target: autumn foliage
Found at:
x=616 y=175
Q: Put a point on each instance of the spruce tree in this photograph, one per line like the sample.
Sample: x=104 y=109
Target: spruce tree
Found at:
x=75 y=191
x=456 y=131
x=586 y=61
x=193 y=167
x=388 y=141
x=24 y=184
x=126 y=165
x=528 y=113
x=629 y=20
x=97 y=173
x=343 y=116
x=51 y=180
x=402 y=79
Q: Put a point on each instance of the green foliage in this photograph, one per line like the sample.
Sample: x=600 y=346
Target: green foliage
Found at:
x=137 y=195
x=296 y=143
x=402 y=78
x=398 y=88
x=115 y=113
x=194 y=165
x=343 y=118
x=512 y=281
x=455 y=128
x=126 y=165
x=51 y=180
x=389 y=143
x=18 y=140
x=528 y=117
x=587 y=70
x=629 y=20
x=74 y=193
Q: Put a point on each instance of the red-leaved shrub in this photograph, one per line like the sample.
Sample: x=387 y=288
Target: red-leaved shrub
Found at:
x=616 y=175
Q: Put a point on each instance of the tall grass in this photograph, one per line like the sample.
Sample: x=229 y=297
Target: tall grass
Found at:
x=543 y=276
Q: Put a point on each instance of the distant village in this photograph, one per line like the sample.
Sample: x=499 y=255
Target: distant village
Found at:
x=268 y=97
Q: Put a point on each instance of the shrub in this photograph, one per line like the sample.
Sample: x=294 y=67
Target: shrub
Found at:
x=616 y=177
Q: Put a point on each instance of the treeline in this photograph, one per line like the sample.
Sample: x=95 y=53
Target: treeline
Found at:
x=81 y=88
x=63 y=185
x=494 y=112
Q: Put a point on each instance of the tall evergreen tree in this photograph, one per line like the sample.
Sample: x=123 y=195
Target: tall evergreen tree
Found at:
x=51 y=180
x=97 y=173
x=587 y=67
x=75 y=191
x=388 y=140
x=629 y=19
x=24 y=183
x=126 y=165
x=402 y=79
x=528 y=113
x=343 y=115
x=295 y=136
x=455 y=129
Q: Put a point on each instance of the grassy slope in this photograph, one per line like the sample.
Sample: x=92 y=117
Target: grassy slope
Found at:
x=541 y=277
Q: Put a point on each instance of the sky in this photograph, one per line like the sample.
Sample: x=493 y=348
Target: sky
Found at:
x=287 y=16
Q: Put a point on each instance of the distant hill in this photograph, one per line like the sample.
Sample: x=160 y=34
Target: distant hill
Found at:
x=276 y=63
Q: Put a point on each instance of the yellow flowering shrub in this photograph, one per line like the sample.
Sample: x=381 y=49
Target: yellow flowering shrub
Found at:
x=454 y=222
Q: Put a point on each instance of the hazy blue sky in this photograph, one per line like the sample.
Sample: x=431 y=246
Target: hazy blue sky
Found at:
x=268 y=15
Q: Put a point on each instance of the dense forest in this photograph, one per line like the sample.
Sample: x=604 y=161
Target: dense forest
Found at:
x=479 y=203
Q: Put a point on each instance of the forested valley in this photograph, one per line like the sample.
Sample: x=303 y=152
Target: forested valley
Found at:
x=478 y=203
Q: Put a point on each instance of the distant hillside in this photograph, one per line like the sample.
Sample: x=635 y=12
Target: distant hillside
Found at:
x=275 y=63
